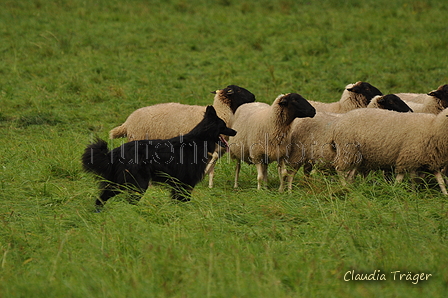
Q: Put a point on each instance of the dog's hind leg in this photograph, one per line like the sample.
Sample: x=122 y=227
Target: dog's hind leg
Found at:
x=107 y=192
x=137 y=189
x=181 y=192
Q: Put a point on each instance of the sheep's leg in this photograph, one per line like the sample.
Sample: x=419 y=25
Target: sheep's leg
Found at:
x=210 y=169
x=265 y=174
x=351 y=175
x=282 y=173
x=262 y=178
x=441 y=182
x=413 y=177
x=211 y=176
x=237 y=173
x=388 y=175
x=346 y=177
x=307 y=168
x=342 y=177
x=291 y=175
x=211 y=162
x=399 y=178
x=443 y=172
x=286 y=175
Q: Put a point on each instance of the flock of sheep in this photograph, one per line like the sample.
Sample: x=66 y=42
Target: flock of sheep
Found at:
x=364 y=131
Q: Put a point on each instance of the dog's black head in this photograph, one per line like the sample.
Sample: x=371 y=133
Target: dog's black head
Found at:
x=296 y=105
x=211 y=128
x=210 y=114
x=393 y=103
x=365 y=89
x=234 y=96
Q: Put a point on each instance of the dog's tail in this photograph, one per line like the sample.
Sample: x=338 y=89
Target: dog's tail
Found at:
x=96 y=158
x=118 y=132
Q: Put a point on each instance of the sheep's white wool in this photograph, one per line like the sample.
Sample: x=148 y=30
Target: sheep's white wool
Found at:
x=311 y=139
x=167 y=120
x=359 y=97
x=310 y=144
x=262 y=133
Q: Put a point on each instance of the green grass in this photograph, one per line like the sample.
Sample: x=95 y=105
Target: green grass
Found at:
x=72 y=70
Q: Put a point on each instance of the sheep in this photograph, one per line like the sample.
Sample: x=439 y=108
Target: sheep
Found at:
x=263 y=132
x=355 y=96
x=419 y=97
x=434 y=102
x=371 y=139
x=311 y=141
x=167 y=120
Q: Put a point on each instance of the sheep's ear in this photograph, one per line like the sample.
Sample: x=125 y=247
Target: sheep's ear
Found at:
x=214 y=92
x=432 y=93
x=283 y=102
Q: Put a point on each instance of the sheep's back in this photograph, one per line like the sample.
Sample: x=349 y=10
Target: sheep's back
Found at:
x=163 y=121
x=415 y=97
x=378 y=139
x=330 y=107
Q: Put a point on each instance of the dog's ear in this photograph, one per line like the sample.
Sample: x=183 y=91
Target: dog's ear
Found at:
x=210 y=110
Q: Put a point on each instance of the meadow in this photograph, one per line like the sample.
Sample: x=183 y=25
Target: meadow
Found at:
x=72 y=70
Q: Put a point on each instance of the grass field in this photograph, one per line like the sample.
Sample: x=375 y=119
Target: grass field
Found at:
x=73 y=69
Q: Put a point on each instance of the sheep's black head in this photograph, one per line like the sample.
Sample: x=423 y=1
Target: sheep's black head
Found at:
x=442 y=94
x=393 y=103
x=365 y=89
x=235 y=96
x=296 y=106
